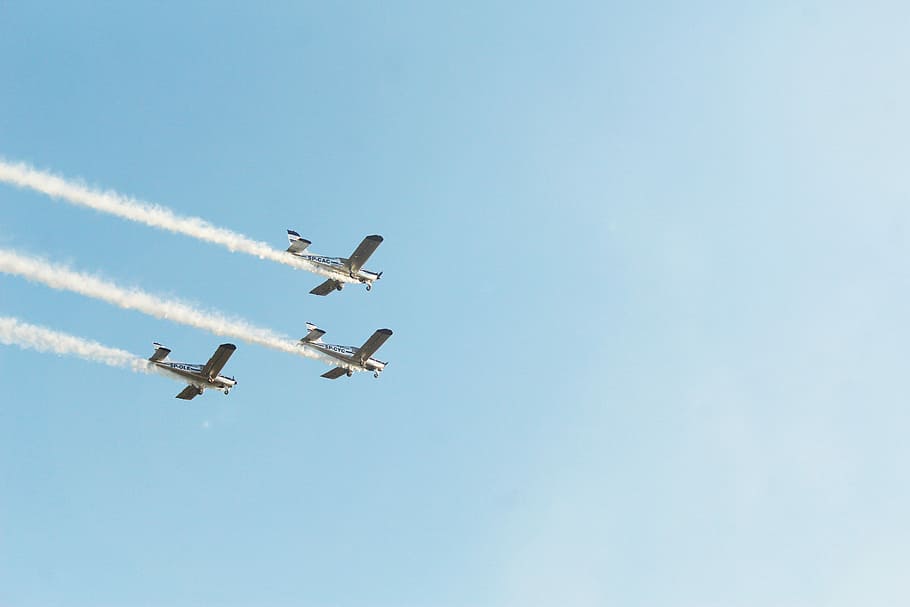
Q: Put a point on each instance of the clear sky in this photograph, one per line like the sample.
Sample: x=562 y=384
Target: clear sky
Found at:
x=645 y=264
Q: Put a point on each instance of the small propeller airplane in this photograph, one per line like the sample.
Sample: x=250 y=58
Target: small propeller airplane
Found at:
x=351 y=359
x=200 y=377
x=343 y=269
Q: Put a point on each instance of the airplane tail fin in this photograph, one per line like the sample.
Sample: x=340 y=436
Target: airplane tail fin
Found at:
x=297 y=243
x=160 y=353
x=314 y=335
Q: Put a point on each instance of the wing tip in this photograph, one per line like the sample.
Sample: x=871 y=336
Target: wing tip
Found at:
x=230 y=347
x=387 y=332
x=374 y=237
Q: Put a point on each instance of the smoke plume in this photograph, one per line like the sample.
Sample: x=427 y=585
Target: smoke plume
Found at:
x=64 y=279
x=77 y=193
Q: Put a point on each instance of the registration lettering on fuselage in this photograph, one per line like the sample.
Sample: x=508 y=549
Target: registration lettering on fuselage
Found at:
x=338 y=349
x=329 y=261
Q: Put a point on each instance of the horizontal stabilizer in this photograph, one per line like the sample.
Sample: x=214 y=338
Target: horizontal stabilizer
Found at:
x=160 y=353
x=335 y=373
x=314 y=335
x=298 y=244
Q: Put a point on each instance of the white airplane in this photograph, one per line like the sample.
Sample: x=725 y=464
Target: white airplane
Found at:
x=200 y=377
x=343 y=269
x=351 y=359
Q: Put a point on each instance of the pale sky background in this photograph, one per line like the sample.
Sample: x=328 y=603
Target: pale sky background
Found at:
x=645 y=264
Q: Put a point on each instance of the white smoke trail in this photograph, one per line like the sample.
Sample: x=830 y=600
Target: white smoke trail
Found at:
x=25 y=176
x=62 y=278
x=14 y=332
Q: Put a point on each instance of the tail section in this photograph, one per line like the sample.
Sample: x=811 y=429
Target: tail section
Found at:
x=315 y=334
x=160 y=353
x=297 y=244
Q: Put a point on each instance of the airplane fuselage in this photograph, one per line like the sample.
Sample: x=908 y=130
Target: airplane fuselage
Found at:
x=336 y=265
x=345 y=354
x=192 y=374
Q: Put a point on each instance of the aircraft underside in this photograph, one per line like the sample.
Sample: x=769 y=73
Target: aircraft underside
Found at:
x=350 y=366
x=197 y=382
x=340 y=274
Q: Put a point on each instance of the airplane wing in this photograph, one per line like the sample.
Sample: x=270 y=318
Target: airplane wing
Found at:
x=189 y=393
x=326 y=287
x=298 y=244
x=160 y=353
x=371 y=345
x=218 y=360
x=335 y=373
x=363 y=252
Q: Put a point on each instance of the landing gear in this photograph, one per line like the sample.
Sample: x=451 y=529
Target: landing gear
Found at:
x=350 y=373
x=339 y=286
x=227 y=391
x=376 y=374
x=369 y=286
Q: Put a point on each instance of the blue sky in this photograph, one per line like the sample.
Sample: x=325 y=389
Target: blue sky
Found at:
x=645 y=268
